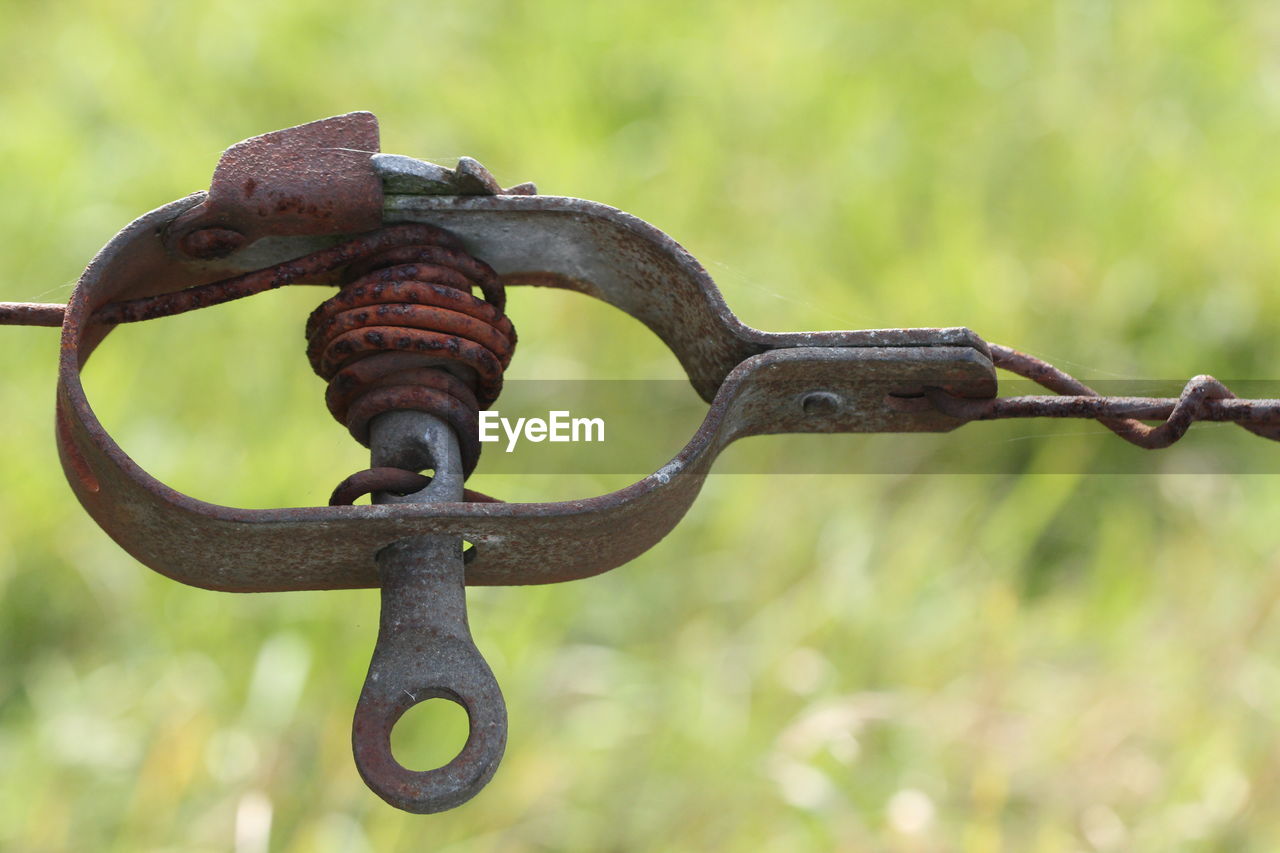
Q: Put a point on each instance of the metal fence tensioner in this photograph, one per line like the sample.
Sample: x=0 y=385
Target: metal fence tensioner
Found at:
x=414 y=344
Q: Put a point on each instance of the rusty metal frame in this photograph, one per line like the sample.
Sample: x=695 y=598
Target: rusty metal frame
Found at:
x=286 y=207
x=756 y=382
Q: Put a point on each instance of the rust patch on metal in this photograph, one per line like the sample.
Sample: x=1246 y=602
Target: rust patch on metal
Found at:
x=208 y=243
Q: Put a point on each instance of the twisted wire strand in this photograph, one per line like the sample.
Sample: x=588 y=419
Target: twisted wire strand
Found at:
x=1202 y=399
x=296 y=271
x=424 y=275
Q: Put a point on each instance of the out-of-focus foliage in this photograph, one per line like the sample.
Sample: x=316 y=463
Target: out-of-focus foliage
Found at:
x=1017 y=661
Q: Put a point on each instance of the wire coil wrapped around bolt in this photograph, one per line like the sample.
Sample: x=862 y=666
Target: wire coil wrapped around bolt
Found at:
x=406 y=331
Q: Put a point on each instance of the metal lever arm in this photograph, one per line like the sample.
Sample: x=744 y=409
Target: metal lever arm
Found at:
x=424 y=648
x=425 y=651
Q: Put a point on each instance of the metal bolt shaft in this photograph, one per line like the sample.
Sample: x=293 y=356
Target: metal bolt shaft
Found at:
x=424 y=649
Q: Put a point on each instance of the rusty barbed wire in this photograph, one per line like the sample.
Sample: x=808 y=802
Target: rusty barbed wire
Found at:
x=1203 y=399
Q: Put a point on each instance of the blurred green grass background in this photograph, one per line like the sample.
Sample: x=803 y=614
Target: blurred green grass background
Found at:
x=1011 y=662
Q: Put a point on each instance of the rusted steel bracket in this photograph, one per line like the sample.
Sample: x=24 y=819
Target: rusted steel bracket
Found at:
x=288 y=206
x=282 y=195
x=756 y=382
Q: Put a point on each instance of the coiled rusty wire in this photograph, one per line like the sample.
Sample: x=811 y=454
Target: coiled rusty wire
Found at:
x=1203 y=399
x=407 y=332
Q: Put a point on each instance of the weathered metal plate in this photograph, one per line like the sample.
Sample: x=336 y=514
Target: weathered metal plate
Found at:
x=316 y=178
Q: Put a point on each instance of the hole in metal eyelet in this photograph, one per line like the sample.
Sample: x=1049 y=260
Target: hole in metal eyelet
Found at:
x=430 y=733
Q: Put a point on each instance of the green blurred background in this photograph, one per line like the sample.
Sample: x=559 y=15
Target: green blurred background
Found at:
x=1016 y=661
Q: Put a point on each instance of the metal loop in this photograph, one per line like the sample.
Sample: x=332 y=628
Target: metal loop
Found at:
x=425 y=651
x=395 y=481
